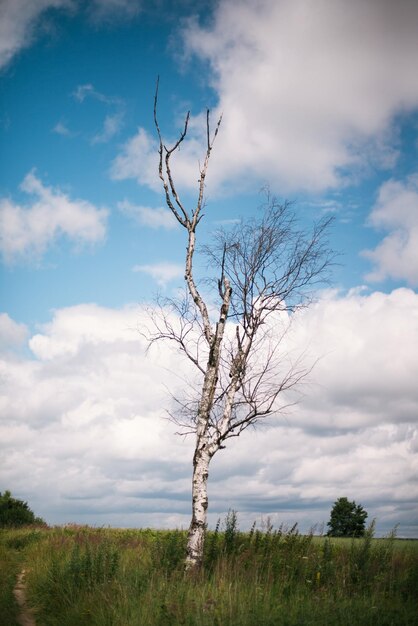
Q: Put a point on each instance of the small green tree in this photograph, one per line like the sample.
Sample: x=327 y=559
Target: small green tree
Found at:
x=348 y=519
x=15 y=512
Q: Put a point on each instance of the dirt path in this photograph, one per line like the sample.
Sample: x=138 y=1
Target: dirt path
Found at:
x=25 y=617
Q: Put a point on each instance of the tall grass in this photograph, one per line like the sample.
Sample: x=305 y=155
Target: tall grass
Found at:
x=271 y=576
x=13 y=544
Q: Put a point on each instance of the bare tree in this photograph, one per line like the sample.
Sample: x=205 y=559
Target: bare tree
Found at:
x=266 y=267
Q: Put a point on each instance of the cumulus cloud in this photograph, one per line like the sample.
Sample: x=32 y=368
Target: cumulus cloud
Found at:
x=147 y=216
x=22 y=20
x=138 y=159
x=90 y=404
x=305 y=86
x=28 y=230
x=368 y=362
x=309 y=91
x=354 y=430
x=12 y=334
x=87 y=408
x=396 y=211
x=18 y=19
x=161 y=272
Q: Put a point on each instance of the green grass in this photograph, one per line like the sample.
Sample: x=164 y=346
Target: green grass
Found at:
x=81 y=575
x=12 y=558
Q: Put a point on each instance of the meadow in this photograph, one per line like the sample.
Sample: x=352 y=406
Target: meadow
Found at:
x=100 y=576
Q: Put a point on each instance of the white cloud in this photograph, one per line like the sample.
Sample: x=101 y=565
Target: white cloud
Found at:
x=309 y=91
x=396 y=211
x=161 y=272
x=368 y=360
x=89 y=91
x=18 y=19
x=90 y=404
x=11 y=333
x=147 y=216
x=61 y=129
x=138 y=159
x=86 y=412
x=22 y=20
x=83 y=91
x=113 y=122
x=28 y=230
x=83 y=324
x=111 y=126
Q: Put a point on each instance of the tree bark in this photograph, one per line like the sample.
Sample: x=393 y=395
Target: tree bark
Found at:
x=197 y=529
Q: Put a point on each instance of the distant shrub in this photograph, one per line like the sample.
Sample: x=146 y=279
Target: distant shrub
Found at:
x=14 y=512
x=348 y=519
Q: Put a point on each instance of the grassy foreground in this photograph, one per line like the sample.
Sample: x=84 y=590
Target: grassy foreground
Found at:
x=81 y=575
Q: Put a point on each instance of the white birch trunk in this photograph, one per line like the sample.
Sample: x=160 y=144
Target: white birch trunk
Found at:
x=204 y=450
x=201 y=460
x=197 y=530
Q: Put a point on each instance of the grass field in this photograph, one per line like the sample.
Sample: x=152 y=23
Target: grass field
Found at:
x=81 y=575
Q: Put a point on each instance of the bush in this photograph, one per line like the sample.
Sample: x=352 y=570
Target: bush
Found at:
x=14 y=513
x=348 y=519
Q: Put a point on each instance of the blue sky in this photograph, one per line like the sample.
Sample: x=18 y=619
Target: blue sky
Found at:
x=320 y=103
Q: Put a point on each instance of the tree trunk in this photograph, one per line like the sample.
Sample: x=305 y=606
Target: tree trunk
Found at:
x=196 y=536
x=205 y=448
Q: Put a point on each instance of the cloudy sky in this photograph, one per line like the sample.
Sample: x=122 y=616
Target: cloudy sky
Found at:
x=320 y=103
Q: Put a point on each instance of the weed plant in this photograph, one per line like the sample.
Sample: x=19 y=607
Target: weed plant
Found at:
x=105 y=577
